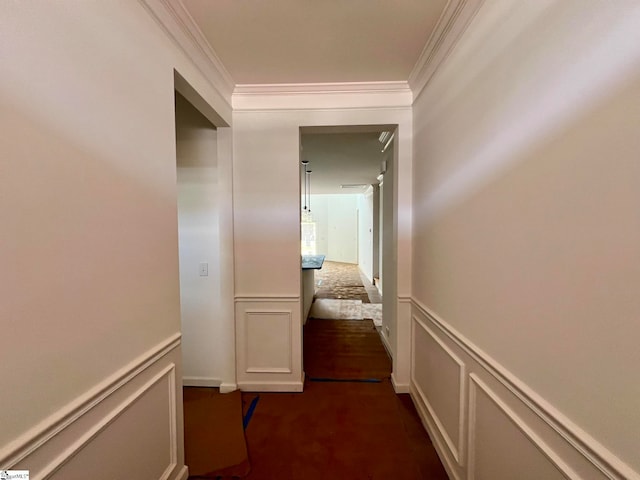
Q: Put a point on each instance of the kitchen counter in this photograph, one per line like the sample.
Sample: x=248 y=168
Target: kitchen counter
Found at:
x=310 y=263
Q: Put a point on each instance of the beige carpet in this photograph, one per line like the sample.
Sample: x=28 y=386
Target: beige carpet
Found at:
x=332 y=309
x=374 y=312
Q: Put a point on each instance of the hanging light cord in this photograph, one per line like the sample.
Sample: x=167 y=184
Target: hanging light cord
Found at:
x=309 y=188
x=304 y=164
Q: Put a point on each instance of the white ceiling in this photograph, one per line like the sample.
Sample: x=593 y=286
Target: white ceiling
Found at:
x=322 y=41
x=316 y=41
x=342 y=158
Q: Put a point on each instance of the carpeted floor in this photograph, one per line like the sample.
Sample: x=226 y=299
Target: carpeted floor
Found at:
x=342 y=281
x=348 y=423
x=350 y=431
x=345 y=349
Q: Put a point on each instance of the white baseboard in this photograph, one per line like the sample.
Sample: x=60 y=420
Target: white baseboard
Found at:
x=225 y=387
x=271 y=386
x=228 y=387
x=385 y=342
x=183 y=474
x=399 y=387
x=200 y=382
x=430 y=426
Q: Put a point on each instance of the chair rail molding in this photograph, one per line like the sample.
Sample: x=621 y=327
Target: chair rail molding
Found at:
x=477 y=385
x=58 y=442
x=588 y=449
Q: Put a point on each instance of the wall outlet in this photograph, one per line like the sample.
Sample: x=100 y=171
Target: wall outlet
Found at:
x=386 y=330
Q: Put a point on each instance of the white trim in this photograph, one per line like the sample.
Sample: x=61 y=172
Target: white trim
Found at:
x=173 y=420
x=322 y=96
x=34 y=438
x=201 y=382
x=289 y=315
x=385 y=342
x=458 y=451
x=331 y=109
x=169 y=371
x=554 y=458
x=180 y=27
x=274 y=386
x=592 y=450
x=399 y=387
x=320 y=88
x=435 y=435
x=225 y=387
x=183 y=474
x=455 y=19
x=228 y=387
x=266 y=298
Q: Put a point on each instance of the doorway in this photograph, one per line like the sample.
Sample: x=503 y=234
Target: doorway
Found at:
x=205 y=241
x=348 y=165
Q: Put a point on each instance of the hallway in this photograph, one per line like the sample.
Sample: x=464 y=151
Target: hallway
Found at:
x=348 y=423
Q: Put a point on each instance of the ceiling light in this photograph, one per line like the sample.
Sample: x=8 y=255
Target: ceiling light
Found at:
x=384 y=136
x=388 y=142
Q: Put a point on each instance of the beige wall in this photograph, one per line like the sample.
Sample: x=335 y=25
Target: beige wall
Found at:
x=336 y=218
x=90 y=298
x=527 y=233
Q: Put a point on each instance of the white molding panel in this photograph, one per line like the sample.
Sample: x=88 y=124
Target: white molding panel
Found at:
x=141 y=399
x=546 y=456
x=455 y=369
x=401 y=376
x=76 y=450
x=269 y=343
x=266 y=332
x=524 y=415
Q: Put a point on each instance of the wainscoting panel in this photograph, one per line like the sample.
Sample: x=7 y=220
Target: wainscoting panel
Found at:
x=269 y=343
x=439 y=378
x=267 y=332
x=129 y=426
x=150 y=449
x=501 y=445
x=486 y=424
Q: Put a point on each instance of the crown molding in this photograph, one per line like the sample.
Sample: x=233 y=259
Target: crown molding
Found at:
x=320 y=88
x=455 y=18
x=322 y=95
x=176 y=21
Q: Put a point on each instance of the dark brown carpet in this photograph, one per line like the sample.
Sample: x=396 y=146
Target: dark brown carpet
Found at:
x=341 y=430
x=354 y=431
x=344 y=349
x=215 y=445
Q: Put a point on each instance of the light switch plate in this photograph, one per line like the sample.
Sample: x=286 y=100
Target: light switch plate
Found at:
x=204 y=270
